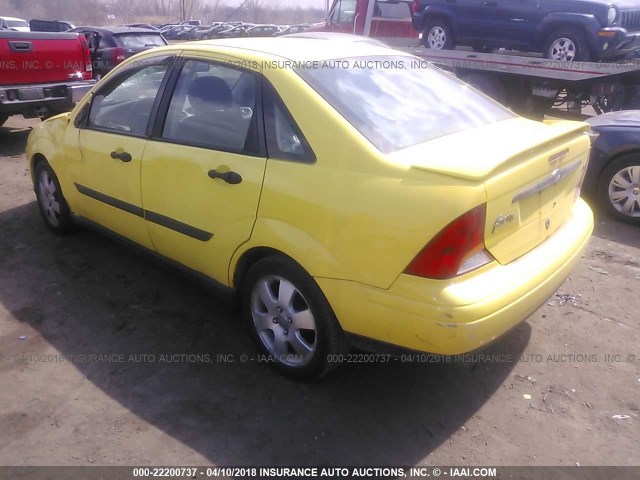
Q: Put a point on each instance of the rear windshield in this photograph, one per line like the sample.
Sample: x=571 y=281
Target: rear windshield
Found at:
x=397 y=102
x=140 y=40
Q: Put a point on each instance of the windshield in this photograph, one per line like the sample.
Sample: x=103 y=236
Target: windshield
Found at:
x=17 y=23
x=140 y=40
x=397 y=102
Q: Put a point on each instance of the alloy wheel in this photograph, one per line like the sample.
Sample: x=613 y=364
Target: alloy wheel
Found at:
x=284 y=321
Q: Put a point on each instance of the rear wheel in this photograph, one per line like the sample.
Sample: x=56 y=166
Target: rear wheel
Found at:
x=290 y=319
x=567 y=45
x=619 y=189
x=53 y=207
x=438 y=35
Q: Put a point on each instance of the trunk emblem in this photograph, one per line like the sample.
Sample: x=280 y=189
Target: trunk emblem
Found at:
x=502 y=219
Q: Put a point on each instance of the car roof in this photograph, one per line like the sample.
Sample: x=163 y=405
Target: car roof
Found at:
x=13 y=18
x=296 y=47
x=117 y=30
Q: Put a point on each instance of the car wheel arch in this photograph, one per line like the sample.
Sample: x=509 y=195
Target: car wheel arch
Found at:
x=548 y=27
x=432 y=13
x=36 y=158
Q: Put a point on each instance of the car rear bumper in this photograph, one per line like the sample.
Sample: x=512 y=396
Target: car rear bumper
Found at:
x=38 y=99
x=464 y=314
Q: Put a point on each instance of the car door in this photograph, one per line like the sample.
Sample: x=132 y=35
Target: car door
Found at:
x=516 y=21
x=112 y=139
x=202 y=170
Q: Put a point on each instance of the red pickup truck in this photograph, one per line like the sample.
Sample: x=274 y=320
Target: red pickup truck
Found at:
x=42 y=74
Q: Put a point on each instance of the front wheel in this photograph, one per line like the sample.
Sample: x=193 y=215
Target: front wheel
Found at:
x=53 y=206
x=290 y=319
x=567 y=45
x=438 y=35
x=619 y=189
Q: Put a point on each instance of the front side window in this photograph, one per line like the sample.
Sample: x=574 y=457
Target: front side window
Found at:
x=400 y=101
x=344 y=12
x=125 y=104
x=213 y=106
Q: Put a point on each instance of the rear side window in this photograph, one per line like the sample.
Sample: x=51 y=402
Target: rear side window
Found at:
x=135 y=41
x=285 y=140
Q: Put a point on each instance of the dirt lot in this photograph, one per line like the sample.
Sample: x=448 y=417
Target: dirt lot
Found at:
x=550 y=397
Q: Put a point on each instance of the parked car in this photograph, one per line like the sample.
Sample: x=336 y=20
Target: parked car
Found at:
x=326 y=229
x=171 y=32
x=111 y=46
x=42 y=73
x=185 y=33
x=564 y=30
x=49 y=25
x=613 y=177
x=213 y=31
x=291 y=30
x=262 y=31
x=13 y=23
x=234 y=32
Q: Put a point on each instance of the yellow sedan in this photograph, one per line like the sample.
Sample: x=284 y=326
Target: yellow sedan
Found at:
x=345 y=192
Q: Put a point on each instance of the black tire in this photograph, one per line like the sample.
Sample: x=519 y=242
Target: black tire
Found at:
x=3 y=118
x=49 y=194
x=327 y=340
x=606 y=188
x=567 y=44
x=443 y=38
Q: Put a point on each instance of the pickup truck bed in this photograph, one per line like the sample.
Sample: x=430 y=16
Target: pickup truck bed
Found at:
x=42 y=74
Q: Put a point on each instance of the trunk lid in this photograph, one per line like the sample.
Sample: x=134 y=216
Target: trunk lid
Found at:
x=530 y=171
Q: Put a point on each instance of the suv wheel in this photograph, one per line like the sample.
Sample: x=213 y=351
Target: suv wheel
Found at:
x=567 y=45
x=438 y=35
x=619 y=189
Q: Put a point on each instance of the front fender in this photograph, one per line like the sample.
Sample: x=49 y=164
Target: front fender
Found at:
x=587 y=22
x=47 y=139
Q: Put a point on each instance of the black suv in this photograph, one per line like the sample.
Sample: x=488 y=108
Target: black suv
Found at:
x=559 y=29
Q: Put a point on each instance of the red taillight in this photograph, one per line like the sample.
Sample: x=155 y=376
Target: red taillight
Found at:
x=416 y=6
x=86 y=59
x=119 y=55
x=457 y=249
